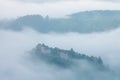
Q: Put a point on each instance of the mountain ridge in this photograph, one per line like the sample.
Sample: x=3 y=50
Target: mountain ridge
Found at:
x=65 y=58
x=82 y=22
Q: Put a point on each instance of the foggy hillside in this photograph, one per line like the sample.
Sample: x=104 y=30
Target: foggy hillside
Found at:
x=18 y=52
x=82 y=22
x=65 y=58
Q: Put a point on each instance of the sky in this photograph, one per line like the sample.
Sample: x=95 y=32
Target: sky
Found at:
x=54 y=8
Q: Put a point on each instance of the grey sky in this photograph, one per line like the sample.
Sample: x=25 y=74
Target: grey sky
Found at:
x=65 y=0
x=40 y=0
x=56 y=8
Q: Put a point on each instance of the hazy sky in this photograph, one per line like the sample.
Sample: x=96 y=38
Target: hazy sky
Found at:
x=53 y=8
x=64 y=0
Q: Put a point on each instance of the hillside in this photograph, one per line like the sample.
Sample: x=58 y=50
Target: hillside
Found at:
x=82 y=22
x=66 y=58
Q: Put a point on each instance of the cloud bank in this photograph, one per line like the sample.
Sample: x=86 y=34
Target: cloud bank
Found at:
x=15 y=45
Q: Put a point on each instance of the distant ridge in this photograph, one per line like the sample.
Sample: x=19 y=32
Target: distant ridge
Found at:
x=81 y=22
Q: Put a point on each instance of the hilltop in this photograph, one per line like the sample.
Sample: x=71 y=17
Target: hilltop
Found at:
x=66 y=58
x=81 y=22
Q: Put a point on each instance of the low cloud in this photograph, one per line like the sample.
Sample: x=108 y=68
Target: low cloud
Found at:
x=15 y=45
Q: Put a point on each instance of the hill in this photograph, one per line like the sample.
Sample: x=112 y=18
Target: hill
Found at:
x=66 y=58
x=82 y=22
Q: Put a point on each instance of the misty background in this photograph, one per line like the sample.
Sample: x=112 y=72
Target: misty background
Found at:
x=15 y=46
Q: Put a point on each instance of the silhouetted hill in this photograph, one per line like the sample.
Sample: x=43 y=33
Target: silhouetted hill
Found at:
x=82 y=22
x=66 y=58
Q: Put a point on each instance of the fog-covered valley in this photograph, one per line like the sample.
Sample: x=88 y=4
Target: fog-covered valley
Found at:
x=15 y=46
x=59 y=39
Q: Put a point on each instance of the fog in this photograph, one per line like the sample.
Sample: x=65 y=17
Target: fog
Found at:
x=15 y=8
x=15 y=46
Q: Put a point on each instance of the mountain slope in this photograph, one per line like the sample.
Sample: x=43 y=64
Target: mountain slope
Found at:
x=66 y=58
x=82 y=22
